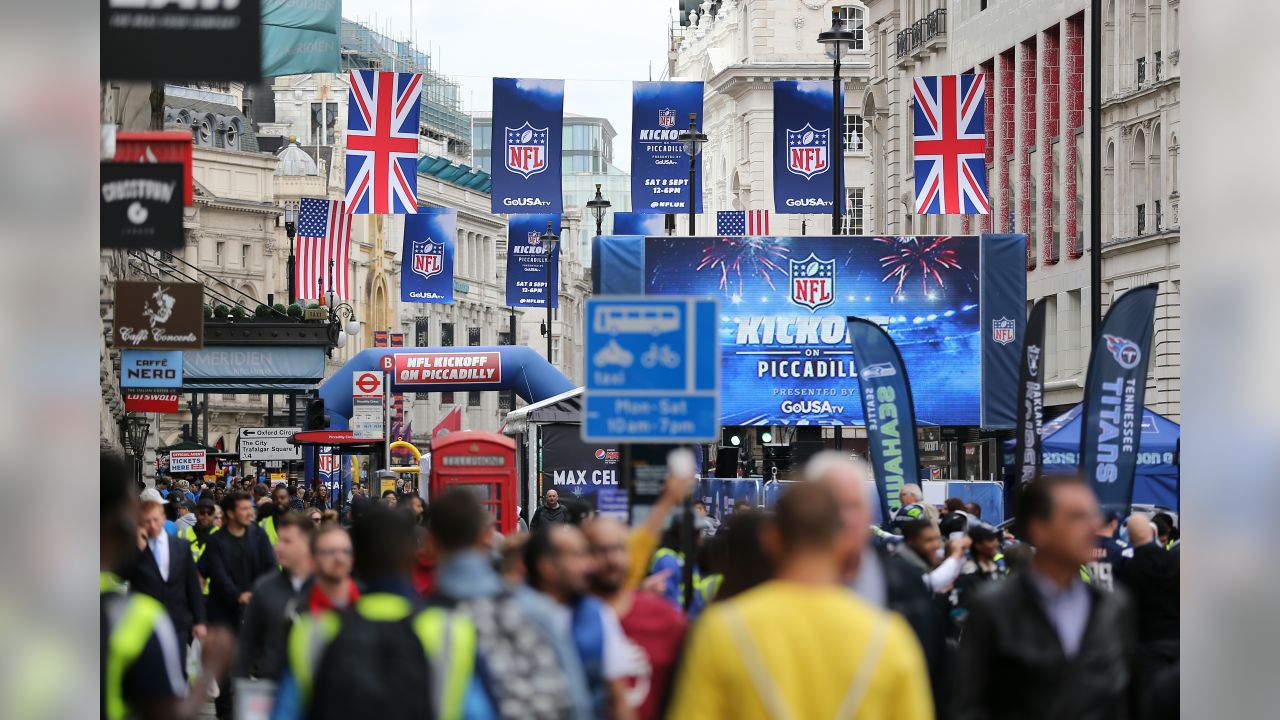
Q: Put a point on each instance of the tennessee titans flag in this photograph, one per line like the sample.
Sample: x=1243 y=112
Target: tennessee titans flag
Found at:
x=426 y=270
x=525 y=157
x=888 y=411
x=951 y=145
x=802 y=147
x=1114 y=392
x=382 y=142
x=527 y=260
x=659 y=168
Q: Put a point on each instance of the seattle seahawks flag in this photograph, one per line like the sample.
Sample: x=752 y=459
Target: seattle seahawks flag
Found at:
x=527 y=260
x=426 y=271
x=659 y=167
x=888 y=412
x=524 y=161
x=803 y=157
x=1026 y=455
x=1113 y=397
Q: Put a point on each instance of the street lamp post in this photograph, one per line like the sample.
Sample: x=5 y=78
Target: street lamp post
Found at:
x=549 y=240
x=692 y=141
x=598 y=207
x=135 y=431
x=291 y=230
x=838 y=41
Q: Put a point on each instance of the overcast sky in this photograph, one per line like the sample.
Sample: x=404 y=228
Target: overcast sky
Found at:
x=597 y=46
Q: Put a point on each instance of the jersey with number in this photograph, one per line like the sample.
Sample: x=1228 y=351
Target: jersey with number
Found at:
x=1107 y=556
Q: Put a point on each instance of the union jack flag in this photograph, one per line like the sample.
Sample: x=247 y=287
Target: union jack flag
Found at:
x=382 y=142
x=950 y=145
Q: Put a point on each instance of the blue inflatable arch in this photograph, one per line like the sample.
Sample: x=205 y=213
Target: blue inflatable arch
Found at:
x=523 y=370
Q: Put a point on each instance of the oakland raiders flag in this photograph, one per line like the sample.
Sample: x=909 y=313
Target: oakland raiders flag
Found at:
x=1026 y=456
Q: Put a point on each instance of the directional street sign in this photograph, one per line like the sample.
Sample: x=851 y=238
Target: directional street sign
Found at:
x=368 y=405
x=268 y=444
x=653 y=369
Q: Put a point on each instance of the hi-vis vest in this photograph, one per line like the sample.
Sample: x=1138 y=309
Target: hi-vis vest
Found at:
x=197 y=548
x=448 y=640
x=125 y=642
x=270 y=526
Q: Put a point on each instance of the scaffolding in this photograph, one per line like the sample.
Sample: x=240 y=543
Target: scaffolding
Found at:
x=442 y=115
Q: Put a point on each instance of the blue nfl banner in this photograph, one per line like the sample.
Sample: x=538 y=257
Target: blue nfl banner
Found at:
x=889 y=412
x=426 y=273
x=634 y=223
x=525 y=157
x=1114 y=393
x=802 y=141
x=527 y=260
x=659 y=168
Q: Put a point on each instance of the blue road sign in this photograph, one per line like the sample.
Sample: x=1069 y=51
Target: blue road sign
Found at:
x=653 y=370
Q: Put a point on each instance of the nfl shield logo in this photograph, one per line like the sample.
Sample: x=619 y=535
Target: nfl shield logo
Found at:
x=535 y=239
x=666 y=118
x=1003 y=330
x=526 y=150
x=813 y=283
x=428 y=258
x=807 y=151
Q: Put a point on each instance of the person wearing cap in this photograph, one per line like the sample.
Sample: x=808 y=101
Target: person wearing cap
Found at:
x=198 y=533
x=1108 y=553
x=153 y=495
x=984 y=564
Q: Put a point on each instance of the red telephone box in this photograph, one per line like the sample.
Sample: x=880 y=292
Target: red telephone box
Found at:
x=485 y=464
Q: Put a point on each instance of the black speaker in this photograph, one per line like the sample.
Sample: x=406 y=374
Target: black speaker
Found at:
x=727 y=462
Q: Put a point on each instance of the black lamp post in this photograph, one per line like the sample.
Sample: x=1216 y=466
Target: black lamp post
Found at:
x=838 y=41
x=291 y=230
x=342 y=317
x=549 y=240
x=135 y=439
x=692 y=141
x=598 y=207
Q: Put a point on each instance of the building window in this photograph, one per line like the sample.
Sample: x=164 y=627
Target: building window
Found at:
x=324 y=118
x=853 y=211
x=422 y=332
x=1141 y=212
x=217 y=253
x=1155 y=69
x=1055 y=212
x=1141 y=64
x=473 y=399
x=473 y=336
x=504 y=338
x=1157 y=215
x=446 y=334
x=982 y=5
x=852 y=17
x=853 y=133
x=244 y=256
x=446 y=398
x=505 y=400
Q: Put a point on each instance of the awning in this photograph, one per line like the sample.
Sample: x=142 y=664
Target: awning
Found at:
x=563 y=408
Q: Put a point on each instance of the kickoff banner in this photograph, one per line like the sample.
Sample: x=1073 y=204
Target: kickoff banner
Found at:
x=1026 y=453
x=525 y=157
x=659 y=167
x=889 y=413
x=426 y=273
x=527 y=261
x=802 y=146
x=1113 y=397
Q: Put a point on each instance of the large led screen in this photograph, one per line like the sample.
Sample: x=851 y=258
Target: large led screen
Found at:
x=785 y=356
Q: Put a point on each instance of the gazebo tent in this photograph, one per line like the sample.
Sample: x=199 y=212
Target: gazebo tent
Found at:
x=1156 y=482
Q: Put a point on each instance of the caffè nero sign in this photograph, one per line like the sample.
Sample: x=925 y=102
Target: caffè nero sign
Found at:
x=159 y=316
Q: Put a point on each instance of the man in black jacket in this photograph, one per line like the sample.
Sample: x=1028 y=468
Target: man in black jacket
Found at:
x=1045 y=644
x=236 y=556
x=1150 y=574
x=551 y=512
x=165 y=571
x=273 y=603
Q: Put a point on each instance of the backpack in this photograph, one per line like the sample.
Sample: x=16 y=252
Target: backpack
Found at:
x=521 y=670
x=374 y=670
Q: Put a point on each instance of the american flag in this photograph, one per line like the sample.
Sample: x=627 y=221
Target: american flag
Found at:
x=382 y=142
x=324 y=247
x=950 y=145
x=742 y=222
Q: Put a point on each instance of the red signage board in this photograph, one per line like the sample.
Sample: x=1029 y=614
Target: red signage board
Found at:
x=415 y=370
x=158 y=147
x=151 y=402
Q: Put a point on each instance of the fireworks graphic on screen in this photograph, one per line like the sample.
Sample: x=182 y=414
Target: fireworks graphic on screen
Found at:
x=931 y=257
x=751 y=255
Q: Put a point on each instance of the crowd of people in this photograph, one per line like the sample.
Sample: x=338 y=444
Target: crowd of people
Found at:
x=276 y=608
